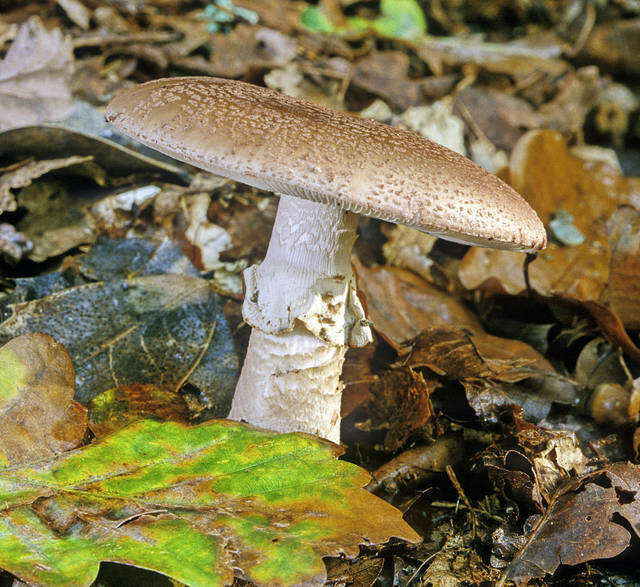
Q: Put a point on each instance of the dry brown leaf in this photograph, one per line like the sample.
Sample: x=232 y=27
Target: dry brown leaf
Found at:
x=623 y=229
x=576 y=528
x=501 y=117
x=615 y=45
x=402 y=305
x=517 y=58
x=291 y=80
x=35 y=77
x=401 y=404
x=243 y=51
x=612 y=328
x=357 y=377
x=551 y=179
x=580 y=525
x=457 y=563
x=555 y=457
x=23 y=175
x=450 y=352
x=248 y=225
x=580 y=272
x=449 y=339
x=384 y=74
x=38 y=417
x=363 y=571
x=577 y=94
x=282 y=16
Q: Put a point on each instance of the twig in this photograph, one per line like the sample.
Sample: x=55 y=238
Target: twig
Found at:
x=462 y=495
x=424 y=562
x=451 y=505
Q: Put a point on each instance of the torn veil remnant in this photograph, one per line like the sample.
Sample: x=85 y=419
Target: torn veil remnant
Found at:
x=327 y=167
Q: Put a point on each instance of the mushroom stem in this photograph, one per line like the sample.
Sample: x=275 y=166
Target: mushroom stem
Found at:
x=302 y=304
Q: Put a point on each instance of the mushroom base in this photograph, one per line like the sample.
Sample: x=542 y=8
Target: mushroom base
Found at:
x=291 y=383
x=302 y=304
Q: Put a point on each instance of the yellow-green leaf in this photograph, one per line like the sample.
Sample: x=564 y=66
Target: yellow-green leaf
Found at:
x=194 y=503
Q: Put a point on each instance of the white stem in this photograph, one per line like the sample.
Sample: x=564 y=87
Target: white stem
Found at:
x=302 y=304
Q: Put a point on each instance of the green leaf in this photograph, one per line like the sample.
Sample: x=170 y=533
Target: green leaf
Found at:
x=314 y=19
x=193 y=503
x=400 y=19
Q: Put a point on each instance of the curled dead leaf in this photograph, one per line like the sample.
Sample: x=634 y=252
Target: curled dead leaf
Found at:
x=38 y=417
x=35 y=76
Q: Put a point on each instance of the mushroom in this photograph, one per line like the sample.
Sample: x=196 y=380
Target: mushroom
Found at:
x=327 y=167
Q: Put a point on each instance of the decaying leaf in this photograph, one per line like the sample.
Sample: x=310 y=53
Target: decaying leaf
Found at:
x=401 y=404
x=384 y=74
x=23 y=175
x=418 y=463
x=48 y=142
x=404 y=308
x=456 y=562
x=401 y=306
x=56 y=219
x=117 y=408
x=579 y=525
x=128 y=324
x=35 y=76
x=362 y=571
x=554 y=455
x=38 y=417
x=193 y=503
x=550 y=178
x=615 y=44
x=489 y=380
x=357 y=377
x=516 y=58
x=499 y=116
x=452 y=353
x=623 y=230
x=543 y=170
x=242 y=51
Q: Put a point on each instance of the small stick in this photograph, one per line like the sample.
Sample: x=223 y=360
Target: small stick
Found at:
x=462 y=495
x=424 y=562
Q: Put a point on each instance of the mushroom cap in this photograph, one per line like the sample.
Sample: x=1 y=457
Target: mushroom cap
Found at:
x=295 y=147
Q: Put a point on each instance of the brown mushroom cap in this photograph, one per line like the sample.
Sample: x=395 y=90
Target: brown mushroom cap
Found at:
x=292 y=146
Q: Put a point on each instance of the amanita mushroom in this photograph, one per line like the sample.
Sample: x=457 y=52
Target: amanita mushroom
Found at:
x=327 y=167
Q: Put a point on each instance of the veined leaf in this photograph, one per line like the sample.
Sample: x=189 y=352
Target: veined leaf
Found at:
x=194 y=503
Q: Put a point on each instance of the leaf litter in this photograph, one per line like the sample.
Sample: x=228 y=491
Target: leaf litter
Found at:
x=497 y=409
